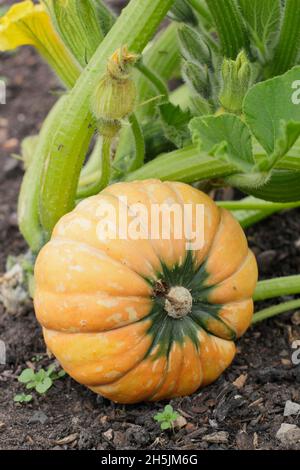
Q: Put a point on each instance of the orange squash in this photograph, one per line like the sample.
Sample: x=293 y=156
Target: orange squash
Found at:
x=144 y=319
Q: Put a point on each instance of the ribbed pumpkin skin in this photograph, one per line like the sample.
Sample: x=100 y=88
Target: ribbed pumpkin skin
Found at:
x=103 y=319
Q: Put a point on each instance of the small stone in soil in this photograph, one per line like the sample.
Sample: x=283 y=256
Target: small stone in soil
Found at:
x=220 y=437
x=180 y=422
x=288 y=434
x=38 y=417
x=291 y=408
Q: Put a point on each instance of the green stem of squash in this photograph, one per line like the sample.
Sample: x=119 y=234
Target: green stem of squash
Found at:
x=154 y=79
x=104 y=177
x=270 y=312
x=288 y=47
x=68 y=137
x=277 y=287
x=28 y=204
x=187 y=165
x=250 y=210
x=257 y=204
x=247 y=218
x=139 y=143
x=162 y=58
x=230 y=27
x=92 y=164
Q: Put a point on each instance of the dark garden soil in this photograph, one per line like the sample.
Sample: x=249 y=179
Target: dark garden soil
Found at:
x=242 y=410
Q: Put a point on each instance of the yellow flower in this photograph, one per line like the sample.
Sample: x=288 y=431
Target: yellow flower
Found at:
x=28 y=24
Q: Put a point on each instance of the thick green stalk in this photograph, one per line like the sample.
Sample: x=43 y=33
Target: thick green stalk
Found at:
x=104 y=177
x=72 y=130
x=92 y=164
x=28 y=213
x=275 y=310
x=279 y=286
x=288 y=47
x=188 y=165
x=250 y=210
x=139 y=143
x=248 y=218
x=254 y=204
x=230 y=27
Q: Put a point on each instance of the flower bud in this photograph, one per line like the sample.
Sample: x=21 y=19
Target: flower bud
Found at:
x=78 y=25
x=237 y=79
x=197 y=77
x=192 y=46
x=114 y=97
x=181 y=11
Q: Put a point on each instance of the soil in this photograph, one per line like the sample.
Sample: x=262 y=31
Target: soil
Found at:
x=242 y=410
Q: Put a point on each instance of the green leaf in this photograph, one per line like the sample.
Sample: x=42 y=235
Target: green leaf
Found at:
x=22 y=397
x=225 y=135
x=42 y=387
x=30 y=385
x=273 y=115
x=27 y=398
x=159 y=417
x=175 y=124
x=50 y=370
x=61 y=374
x=26 y=376
x=262 y=18
x=40 y=375
x=168 y=409
x=165 y=425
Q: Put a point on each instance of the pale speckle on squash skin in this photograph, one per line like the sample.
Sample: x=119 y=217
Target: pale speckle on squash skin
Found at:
x=109 y=302
x=77 y=268
x=113 y=374
x=116 y=318
x=132 y=314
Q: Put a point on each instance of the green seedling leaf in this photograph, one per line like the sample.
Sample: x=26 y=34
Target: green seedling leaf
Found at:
x=167 y=417
x=30 y=385
x=262 y=19
x=22 y=398
x=26 y=376
x=165 y=425
x=272 y=112
x=42 y=380
x=50 y=371
x=175 y=124
x=40 y=375
x=225 y=136
x=44 y=385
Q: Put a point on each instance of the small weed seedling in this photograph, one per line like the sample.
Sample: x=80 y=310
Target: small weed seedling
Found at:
x=167 y=418
x=37 y=358
x=40 y=381
x=22 y=398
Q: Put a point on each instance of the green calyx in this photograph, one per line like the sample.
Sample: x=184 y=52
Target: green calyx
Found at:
x=181 y=307
x=236 y=81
